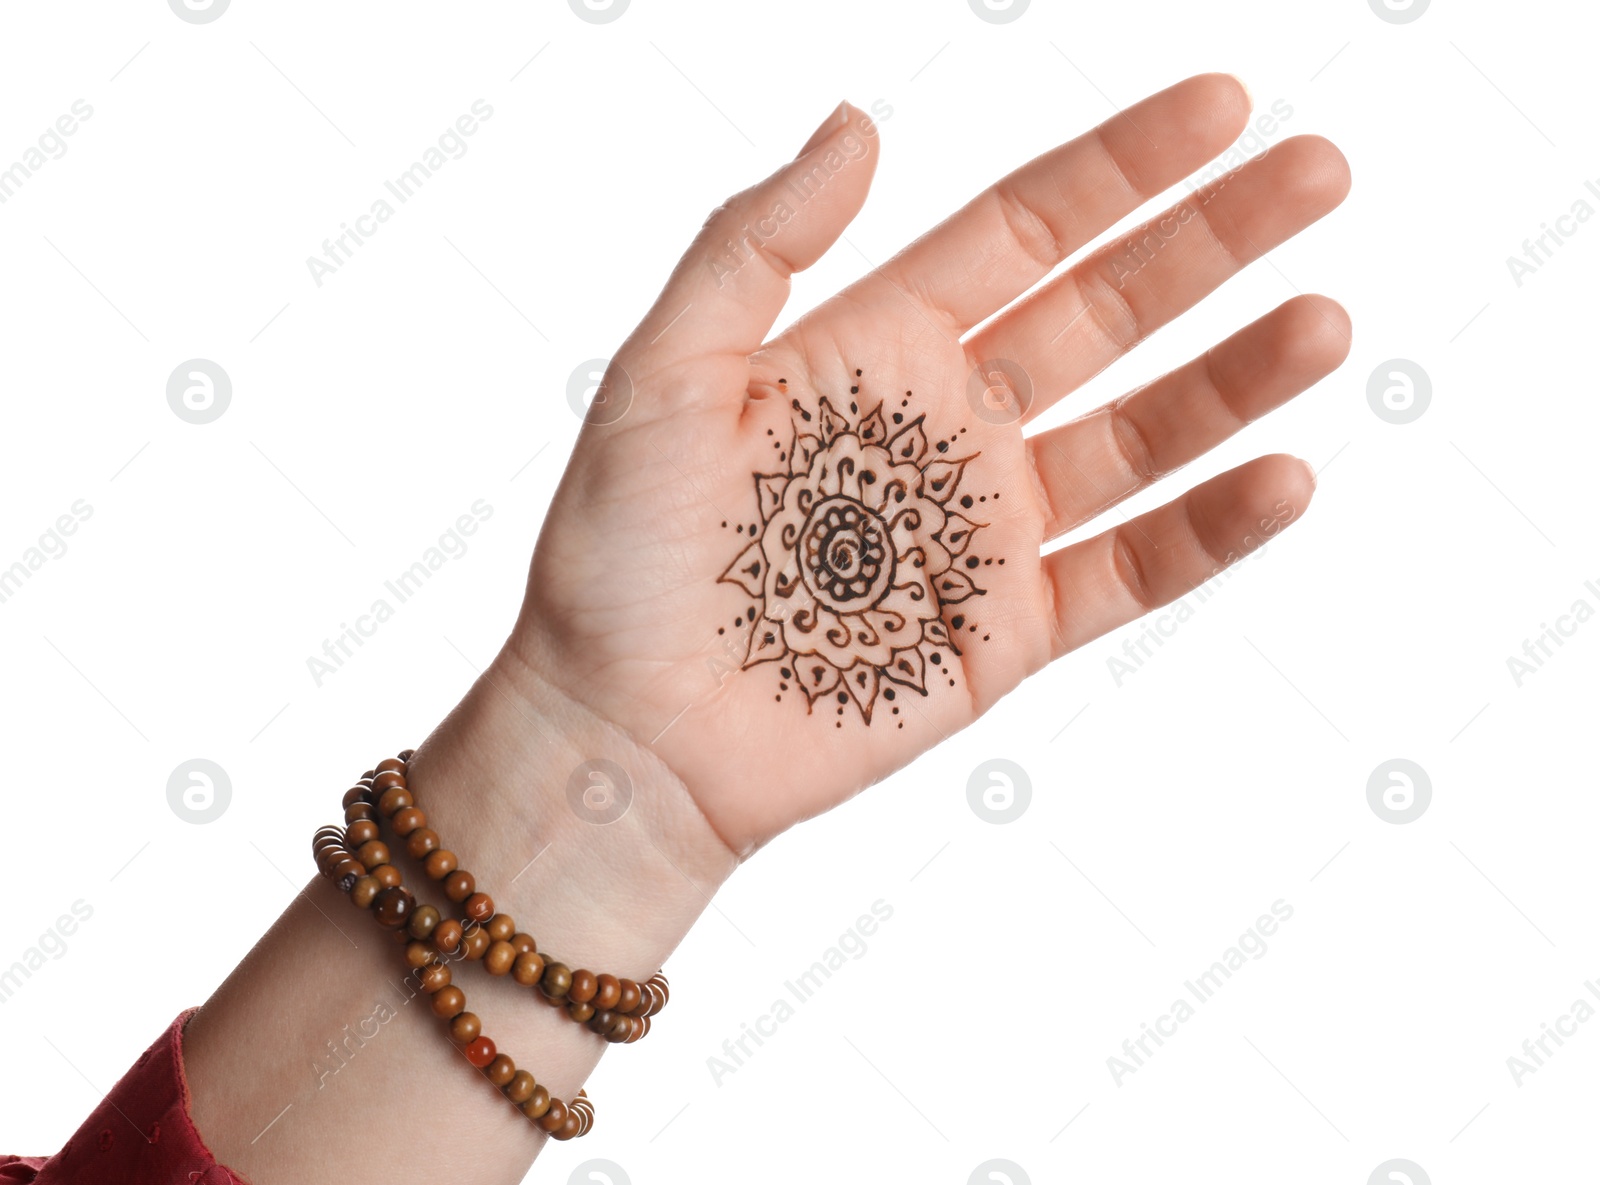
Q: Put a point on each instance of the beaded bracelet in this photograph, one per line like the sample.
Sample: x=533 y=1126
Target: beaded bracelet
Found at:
x=382 y=892
x=615 y=1008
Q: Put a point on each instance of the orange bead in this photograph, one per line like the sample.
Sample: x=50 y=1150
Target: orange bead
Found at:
x=479 y=907
x=480 y=1052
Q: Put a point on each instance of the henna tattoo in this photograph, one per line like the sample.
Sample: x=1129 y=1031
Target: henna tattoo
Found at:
x=863 y=541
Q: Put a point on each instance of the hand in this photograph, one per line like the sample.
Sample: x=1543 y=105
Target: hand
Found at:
x=789 y=566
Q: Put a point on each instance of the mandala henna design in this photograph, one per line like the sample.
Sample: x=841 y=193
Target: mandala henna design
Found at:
x=856 y=556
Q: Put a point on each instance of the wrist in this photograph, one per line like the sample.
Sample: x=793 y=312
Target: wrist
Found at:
x=614 y=897
x=573 y=826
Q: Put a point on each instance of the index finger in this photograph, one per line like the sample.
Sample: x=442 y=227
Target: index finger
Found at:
x=1011 y=235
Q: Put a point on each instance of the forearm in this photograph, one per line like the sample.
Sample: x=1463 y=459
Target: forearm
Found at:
x=493 y=779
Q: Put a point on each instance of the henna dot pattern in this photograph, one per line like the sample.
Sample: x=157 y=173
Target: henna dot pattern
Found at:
x=859 y=550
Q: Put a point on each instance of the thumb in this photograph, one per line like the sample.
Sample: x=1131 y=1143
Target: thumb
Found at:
x=730 y=286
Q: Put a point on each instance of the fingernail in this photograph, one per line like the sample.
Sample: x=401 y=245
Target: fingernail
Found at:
x=1245 y=86
x=835 y=121
x=1310 y=472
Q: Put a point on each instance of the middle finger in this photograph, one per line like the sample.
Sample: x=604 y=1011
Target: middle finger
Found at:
x=1103 y=306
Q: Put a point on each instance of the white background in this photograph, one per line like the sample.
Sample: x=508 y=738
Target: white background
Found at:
x=1167 y=812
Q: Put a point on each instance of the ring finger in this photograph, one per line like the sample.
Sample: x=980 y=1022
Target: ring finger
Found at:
x=1092 y=463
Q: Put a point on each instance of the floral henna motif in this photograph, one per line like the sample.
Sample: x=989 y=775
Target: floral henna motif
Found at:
x=856 y=557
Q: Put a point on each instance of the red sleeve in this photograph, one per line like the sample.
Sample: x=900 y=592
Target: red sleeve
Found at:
x=140 y=1134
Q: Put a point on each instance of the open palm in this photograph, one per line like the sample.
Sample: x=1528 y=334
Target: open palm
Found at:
x=790 y=566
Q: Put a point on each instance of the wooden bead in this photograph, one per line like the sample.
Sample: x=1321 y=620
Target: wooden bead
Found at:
x=628 y=996
x=569 y=1129
x=524 y=943
x=538 y=1103
x=406 y=821
x=346 y=871
x=607 y=992
x=354 y=795
x=498 y=958
x=359 y=810
x=423 y=921
x=557 y=979
x=479 y=906
x=475 y=943
x=643 y=1030
x=447 y=936
x=328 y=858
x=521 y=1086
x=658 y=997
x=387 y=780
x=418 y=955
x=584 y=986
x=392 y=907
x=480 y=1051
x=373 y=852
x=501 y=927
x=405 y=754
x=579 y=1011
x=364 y=891
x=361 y=831
x=620 y=1029
x=394 y=799
x=500 y=1070
x=435 y=978
x=422 y=842
x=527 y=969
x=459 y=885
x=555 y=1116
x=448 y=1002
x=387 y=875
x=397 y=764
x=601 y=1022
x=466 y=1028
